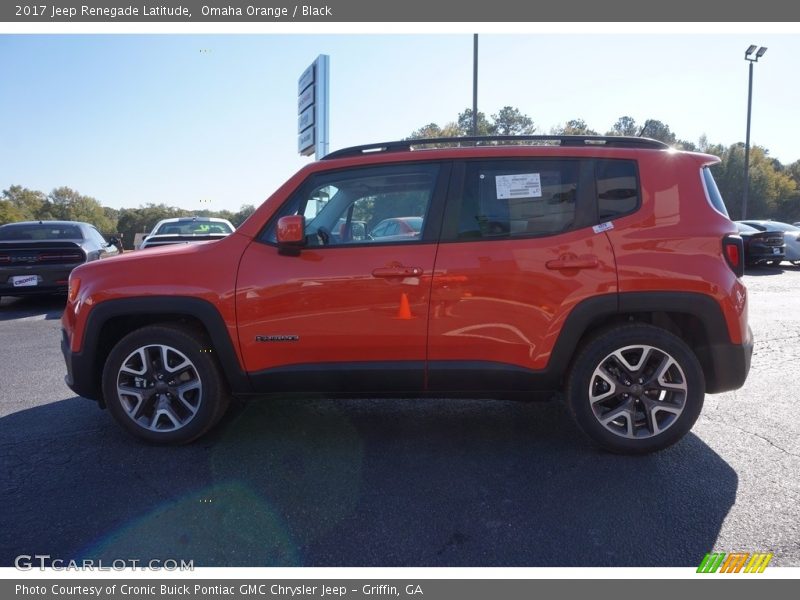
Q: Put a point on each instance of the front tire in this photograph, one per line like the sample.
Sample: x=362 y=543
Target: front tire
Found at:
x=635 y=389
x=163 y=384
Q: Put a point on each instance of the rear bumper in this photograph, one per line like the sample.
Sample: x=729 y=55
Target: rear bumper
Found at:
x=80 y=376
x=731 y=364
x=758 y=253
x=51 y=279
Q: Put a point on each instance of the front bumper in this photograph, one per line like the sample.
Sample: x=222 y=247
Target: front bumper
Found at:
x=80 y=375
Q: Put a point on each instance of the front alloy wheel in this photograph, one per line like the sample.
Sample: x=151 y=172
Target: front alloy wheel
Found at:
x=163 y=384
x=159 y=388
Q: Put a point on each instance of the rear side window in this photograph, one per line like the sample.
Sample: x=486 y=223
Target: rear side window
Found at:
x=712 y=192
x=503 y=199
x=618 y=191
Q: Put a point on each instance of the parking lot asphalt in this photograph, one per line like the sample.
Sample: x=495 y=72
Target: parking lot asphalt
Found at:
x=321 y=482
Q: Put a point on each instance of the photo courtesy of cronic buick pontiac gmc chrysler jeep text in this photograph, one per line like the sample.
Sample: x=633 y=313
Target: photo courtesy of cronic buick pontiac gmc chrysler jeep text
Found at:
x=605 y=267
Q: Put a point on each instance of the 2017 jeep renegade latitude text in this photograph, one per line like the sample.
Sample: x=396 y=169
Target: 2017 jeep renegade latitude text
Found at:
x=604 y=267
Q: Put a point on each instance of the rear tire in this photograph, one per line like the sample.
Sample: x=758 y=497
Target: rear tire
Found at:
x=163 y=384
x=635 y=389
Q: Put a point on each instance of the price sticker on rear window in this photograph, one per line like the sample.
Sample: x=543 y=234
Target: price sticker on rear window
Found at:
x=523 y=185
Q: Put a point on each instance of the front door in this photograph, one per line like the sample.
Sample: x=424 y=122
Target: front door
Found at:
x=349 y=313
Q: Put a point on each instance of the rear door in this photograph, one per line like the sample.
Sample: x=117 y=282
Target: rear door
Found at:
x=518 y=253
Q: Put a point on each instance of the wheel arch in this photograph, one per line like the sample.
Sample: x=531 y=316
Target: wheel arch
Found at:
x=111 y=320
x=695 y=318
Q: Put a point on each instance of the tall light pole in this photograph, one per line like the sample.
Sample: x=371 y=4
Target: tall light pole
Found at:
x=751 y=58
x=475 y=84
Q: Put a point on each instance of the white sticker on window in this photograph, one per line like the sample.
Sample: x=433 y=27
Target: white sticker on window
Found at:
x=523 y=185
x=603 y=227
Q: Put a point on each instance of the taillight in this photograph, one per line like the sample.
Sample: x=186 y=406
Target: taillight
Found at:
x=5 y=258
x=62 y=257
x=733 y=250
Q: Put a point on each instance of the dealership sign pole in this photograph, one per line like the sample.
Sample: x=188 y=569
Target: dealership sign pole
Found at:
x=312 y=109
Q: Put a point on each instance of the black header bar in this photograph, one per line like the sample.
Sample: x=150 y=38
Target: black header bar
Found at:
x=411 y=11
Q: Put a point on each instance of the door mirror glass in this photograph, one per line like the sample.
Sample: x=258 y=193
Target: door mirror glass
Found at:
x=291 y=233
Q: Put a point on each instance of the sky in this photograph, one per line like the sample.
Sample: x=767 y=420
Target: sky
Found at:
x=210 y=120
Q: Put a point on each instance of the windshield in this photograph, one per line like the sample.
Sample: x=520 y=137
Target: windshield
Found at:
x=193 y=228
x=40 y=231
x=745 y=228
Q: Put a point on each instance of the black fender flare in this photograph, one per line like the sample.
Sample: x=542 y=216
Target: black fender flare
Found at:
x=84 y=363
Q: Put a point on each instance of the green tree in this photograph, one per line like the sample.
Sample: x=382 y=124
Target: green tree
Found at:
x=793 y=170
x=464 y=124
x=657 y=130
x=771 y=190
x=23 y=204
x=624 y=126
x=10 y=213
x=507 y=121
x=143 y=219
x=244 y=212
x=69 y=205
x=510 y=121
x=574 y=127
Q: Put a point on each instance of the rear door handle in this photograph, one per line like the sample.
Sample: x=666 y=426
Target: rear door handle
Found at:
x=397 y=272
x=587 y=261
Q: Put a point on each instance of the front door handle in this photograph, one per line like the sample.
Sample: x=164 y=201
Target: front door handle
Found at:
x=570 y=261
x=397 y=271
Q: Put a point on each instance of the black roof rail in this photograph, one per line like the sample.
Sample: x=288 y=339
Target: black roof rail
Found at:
x=608 y=141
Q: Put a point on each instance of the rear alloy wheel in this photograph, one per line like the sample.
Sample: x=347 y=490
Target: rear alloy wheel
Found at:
x=635 y=389
x=162 y=385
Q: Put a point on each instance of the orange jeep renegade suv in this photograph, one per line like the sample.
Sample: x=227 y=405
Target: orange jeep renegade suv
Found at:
x=606 y=267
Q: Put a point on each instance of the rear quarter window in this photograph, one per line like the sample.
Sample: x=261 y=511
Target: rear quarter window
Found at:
x=618 y=190
x=712 y=192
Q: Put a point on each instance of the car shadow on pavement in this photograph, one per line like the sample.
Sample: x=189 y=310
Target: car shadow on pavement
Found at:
x=42 y=307
x=319 y=482
x=763 y=271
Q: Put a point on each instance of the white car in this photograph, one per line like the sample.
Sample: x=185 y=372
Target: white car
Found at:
x=791 y=236
x=182 y=230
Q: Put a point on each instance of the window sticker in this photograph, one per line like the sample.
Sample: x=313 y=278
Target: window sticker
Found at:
x=522 y=185
x=603 y=227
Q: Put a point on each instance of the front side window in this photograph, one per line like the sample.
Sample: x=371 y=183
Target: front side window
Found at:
x=504 y=199
x=363 y=206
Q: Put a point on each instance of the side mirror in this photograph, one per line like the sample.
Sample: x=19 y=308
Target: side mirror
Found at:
x=291 y=234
